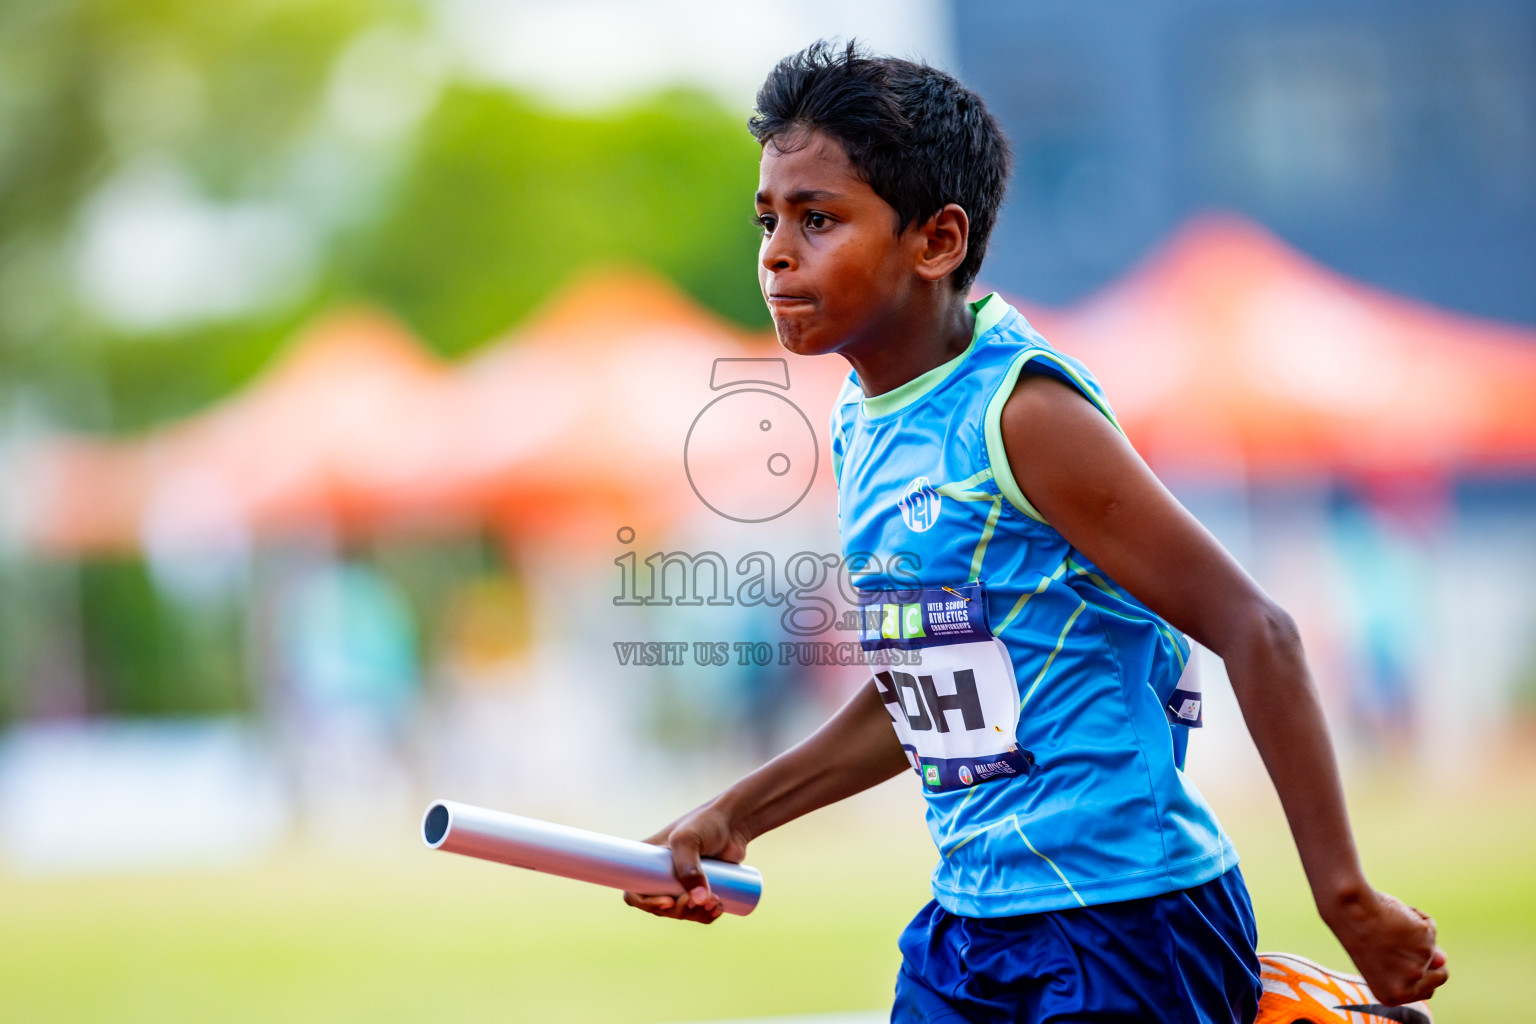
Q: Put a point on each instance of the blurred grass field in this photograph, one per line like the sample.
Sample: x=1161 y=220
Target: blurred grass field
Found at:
x=401 y=934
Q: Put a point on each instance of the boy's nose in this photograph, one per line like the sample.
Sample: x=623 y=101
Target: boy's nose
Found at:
x=778 y=258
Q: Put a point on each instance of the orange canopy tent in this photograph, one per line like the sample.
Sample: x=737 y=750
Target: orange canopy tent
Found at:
x=1224 y=350
x=1227 y=350
x=587 y=409
x=578 y=417
x=337 y=417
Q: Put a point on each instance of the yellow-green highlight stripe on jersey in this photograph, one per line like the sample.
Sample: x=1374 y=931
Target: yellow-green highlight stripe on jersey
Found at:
x=1081 y=604
x=965 y=490
x=1048 y=860
x=986 y=535
x=1013 y=819
x=974 y=480
x=1018 y=606
x=1180 y=645
x=974 y=833
x=955 y=821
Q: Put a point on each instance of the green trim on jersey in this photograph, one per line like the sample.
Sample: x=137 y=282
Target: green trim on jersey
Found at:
x=988 y=312
x=846 y=395
x=992 y=425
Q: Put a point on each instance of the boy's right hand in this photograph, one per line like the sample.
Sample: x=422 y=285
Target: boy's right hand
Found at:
x=705 y=832
x=1393 y=946
x=852 y=751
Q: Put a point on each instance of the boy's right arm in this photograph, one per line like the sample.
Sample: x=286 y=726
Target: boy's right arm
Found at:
x=855 y=749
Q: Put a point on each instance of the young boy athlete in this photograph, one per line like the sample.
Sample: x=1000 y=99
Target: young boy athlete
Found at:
x=1011 y=543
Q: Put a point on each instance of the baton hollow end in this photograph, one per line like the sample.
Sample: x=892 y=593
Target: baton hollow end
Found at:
x=434 y=825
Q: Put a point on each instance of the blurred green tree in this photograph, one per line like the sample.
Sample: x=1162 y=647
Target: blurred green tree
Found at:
x=502 y=201
x=459 y=223
x=457 y=206
x=88 y=87
x=146 y=655
x=224 y=95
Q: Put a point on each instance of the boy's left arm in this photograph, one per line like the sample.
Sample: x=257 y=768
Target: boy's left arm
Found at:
x=1088 y=482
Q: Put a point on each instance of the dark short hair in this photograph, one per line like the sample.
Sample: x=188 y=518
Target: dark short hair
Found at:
x=918 y=137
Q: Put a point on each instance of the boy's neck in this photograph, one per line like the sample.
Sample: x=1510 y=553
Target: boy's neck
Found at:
x=910 y=341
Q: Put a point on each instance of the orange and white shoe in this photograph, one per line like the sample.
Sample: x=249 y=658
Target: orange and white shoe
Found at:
x=1298 y=991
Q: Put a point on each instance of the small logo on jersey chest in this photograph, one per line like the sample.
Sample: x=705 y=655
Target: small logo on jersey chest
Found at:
x=919 y=505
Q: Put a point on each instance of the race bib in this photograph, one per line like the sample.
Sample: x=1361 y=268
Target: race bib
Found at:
x=1184 y=705
x=957 y=712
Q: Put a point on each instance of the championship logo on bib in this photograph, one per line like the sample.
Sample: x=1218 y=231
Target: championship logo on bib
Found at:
x=956 y=714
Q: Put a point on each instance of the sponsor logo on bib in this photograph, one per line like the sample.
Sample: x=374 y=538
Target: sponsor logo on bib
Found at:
x=931 y=774
x=965 y=775
x=920 y=505
x=1184 y=704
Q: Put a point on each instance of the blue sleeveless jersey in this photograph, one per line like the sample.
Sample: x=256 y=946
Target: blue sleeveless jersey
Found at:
x=1086 y=801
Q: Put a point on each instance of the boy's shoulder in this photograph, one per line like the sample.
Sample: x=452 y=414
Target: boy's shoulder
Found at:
x=1030 y=353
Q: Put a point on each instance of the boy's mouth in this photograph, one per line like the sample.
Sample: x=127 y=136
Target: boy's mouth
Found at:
x=780 y=300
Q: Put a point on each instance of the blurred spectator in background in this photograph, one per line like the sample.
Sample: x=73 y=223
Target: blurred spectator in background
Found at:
x=1386 y=575
x=346 y=650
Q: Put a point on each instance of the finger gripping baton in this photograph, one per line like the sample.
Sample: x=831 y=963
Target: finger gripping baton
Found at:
x=579 y=854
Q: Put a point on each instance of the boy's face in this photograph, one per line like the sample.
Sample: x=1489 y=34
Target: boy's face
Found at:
x=832 y=266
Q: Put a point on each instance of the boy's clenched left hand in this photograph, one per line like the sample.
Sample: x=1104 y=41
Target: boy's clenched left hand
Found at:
x=1393 y=946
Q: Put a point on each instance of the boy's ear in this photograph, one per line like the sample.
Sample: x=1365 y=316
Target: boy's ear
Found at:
x=945 y=239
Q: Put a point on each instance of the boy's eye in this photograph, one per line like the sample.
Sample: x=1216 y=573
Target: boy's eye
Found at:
x=816 y=220
x=764 y=222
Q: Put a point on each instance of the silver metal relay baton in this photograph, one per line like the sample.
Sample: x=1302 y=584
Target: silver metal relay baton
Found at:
x=579 y=854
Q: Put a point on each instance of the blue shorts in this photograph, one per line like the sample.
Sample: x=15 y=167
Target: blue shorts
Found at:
x=1185 y=957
